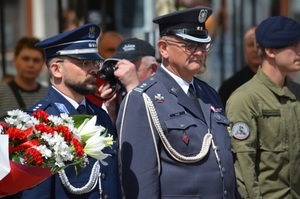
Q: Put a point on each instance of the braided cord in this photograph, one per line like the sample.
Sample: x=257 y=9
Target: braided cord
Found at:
x=89 y=186
x=207 y=140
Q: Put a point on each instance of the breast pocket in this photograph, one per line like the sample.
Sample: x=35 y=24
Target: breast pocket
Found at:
x=184 y=134
x=271 y=130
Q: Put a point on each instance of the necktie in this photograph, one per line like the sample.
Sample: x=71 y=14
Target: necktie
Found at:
x=81 y=109
x=193 y=96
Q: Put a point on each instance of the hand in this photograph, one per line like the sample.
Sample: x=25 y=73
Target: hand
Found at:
x=126 y=72
x=106 y=92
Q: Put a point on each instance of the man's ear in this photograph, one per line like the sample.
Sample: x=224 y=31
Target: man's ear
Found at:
x=55 y=69
x=163 y=48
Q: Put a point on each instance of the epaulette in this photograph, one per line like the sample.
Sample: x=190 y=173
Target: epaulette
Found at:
x=43 y=104
x=145 y=85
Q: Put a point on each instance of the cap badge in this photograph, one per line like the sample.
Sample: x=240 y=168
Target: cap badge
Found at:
x=92 y=32
x=202 y=15
x=159 y=98
x=240 y=131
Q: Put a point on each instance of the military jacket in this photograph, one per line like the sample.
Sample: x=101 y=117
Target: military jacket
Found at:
x=265 y=137
x=52 y=188
x=148 y=169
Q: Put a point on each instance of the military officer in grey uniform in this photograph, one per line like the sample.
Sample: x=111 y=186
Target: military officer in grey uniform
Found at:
x=73 y=62
x=173 y=140
x=266 y=116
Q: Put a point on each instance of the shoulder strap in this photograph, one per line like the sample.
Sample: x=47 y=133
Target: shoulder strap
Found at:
x=18 y=97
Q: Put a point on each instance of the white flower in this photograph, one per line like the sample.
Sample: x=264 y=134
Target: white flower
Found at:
x=56 y=120
x=89 y=128
x=47 y=153
x=94 y=145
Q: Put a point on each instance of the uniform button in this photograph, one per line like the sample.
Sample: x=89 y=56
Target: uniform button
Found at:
x=103 y=176
x=106 y=197
x=223 y=170
x=226 y=193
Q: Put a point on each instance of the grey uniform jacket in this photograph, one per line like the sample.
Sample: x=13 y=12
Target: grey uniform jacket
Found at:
x=148 y=170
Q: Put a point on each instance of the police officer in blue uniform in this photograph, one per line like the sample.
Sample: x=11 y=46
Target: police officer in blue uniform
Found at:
x=175 y=144
x=73 y=62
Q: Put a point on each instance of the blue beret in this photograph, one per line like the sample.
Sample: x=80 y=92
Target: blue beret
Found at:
x=188 y=24
x=79 y=43
x=277 y=32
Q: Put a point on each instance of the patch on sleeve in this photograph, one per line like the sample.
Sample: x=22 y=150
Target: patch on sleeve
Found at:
x=240 y=131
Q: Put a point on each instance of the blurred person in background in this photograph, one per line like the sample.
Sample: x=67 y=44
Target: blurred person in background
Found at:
x=252 y=60
x=24 y=89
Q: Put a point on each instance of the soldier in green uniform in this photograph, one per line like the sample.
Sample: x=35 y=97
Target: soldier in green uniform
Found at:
x=265 y=116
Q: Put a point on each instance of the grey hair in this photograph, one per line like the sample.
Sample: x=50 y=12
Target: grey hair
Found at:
x=148 y=60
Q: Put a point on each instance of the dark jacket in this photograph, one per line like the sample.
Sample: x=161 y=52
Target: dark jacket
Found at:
x=52 y=188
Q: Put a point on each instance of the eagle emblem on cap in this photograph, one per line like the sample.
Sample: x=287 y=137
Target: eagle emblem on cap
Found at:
x=202 y=15
x=92 y=32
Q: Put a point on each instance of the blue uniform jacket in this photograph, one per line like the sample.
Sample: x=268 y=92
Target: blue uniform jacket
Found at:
x=184 y=128
x=52 y=188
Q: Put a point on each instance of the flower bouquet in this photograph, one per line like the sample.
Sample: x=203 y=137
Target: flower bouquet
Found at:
x=41 y=145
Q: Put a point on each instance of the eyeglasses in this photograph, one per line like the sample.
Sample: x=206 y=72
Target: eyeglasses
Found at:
x=85 y=64
x=192 y=47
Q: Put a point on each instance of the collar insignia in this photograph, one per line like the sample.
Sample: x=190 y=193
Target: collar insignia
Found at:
x=62 y=108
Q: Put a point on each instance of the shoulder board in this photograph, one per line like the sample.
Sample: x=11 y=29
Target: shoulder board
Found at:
x=43 y=104
x=145 y=84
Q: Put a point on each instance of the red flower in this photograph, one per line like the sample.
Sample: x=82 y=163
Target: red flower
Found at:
x=43 y=128
x=41 y=115
x=68 y=135
x=16 y=134
x=33 y=157
x=78 y=147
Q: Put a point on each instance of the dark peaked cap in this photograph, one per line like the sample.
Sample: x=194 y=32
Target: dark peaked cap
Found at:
x=188 y=24
x=79 y=43
x=278 y=32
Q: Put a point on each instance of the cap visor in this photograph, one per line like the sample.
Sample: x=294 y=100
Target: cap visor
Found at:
x=194 y=39
x=131 y=56
x=92 y=56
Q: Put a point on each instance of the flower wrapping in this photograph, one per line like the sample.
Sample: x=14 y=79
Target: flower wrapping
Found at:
x=22 y=177
x=41 y=145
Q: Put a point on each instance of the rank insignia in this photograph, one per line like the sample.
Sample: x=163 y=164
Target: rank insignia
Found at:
x=159 y=98
x=62 y=108
x=240 y=131
x=185 y=138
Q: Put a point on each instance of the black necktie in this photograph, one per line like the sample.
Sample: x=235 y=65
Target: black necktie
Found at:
x=81 y=109
x=193 y=96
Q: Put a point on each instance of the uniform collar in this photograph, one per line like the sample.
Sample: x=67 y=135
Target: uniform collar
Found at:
x=280 y=91
x=73 y=102
x=183 y=84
